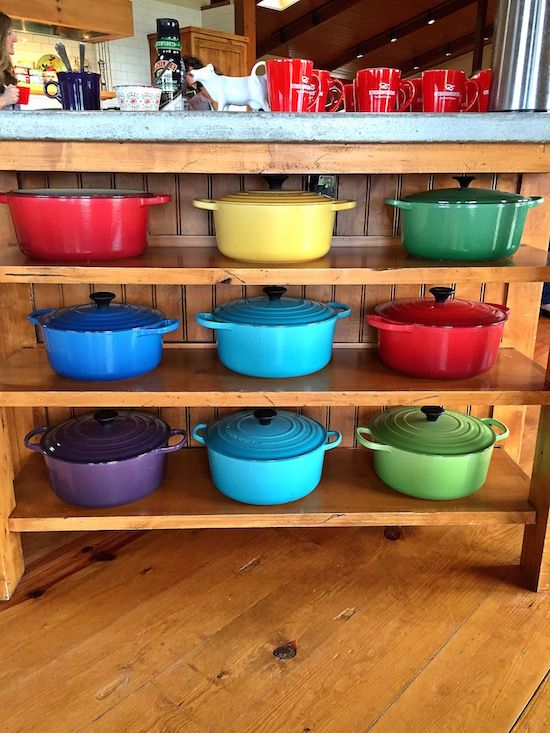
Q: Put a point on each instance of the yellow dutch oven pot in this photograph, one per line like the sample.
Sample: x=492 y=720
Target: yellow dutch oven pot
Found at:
x=274 y=226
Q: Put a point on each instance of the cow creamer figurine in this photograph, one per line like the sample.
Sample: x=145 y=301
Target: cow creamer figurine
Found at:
x=237 y=90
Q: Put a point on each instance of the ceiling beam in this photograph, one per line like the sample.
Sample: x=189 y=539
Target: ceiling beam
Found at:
x=430 y=59
x=401 y=29
x=304 y=23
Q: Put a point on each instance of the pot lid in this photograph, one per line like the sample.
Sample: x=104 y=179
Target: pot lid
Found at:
x=274 y=310
x=465 y=195
x=432 y=430
x=265 y=434
x=101 y=315
x=80 y=193
x=280 y=198
x=442 y=310
x=105 y=435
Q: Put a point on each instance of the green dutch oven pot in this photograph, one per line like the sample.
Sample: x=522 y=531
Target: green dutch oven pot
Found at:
x=463 y=223
x=431 y=453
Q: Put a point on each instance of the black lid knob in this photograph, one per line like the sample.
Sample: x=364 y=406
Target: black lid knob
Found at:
x=274 y=181
x=464 y=181
x=105 y=417
x=432 y=412
x=102 y=299
x=274 y=292
x=442 y=294
x=264 y=415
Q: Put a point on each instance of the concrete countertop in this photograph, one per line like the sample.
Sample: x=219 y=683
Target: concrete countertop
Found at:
x=116 y=126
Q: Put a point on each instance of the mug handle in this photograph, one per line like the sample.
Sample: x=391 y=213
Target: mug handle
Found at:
x=475 y=86
x=338 y=95
x=257 y=65
x=406 y=87
x=315 y=82
x=57 y=95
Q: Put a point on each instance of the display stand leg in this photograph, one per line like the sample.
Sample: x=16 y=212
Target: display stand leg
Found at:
x=12 y=564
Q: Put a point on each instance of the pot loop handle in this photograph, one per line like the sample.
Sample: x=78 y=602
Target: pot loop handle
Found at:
x=360 y=432
x=31 y=434
x=165 y=326
x=35 y=316
x=332 y=434
x=343 y=310
x=176 y=446
x=385 y=324
x=196 y=432
x=400 y=204
x=208 y=321
x=491 y=421
x=158 y=198
x=535 y=201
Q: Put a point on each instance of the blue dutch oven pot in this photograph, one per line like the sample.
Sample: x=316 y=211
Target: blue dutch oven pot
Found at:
x=103 y=340
x=274 y=336
x=266 y=456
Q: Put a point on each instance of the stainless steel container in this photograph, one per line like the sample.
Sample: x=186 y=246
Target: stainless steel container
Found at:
x=521 y=57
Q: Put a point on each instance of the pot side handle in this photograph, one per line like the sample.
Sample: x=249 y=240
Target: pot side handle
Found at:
x=343 y=310
x=161 y=198
x=165 y=326
x=209 y=204
x=535 y=201
x=196 y=432
x=207 y=320
x=28 y=436
x=499 y=307
x=399 y=204
x=176 y=446
x=360 y=432
x=332 y=434
x=491 y=421
x=343 y=205
x=34 y=317
x=385 y=324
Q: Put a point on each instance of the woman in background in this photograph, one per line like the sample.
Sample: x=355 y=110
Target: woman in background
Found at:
x=9 y=93
x=198 y=98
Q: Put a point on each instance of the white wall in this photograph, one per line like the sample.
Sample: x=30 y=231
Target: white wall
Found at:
x=31 y=46
x=220 y=19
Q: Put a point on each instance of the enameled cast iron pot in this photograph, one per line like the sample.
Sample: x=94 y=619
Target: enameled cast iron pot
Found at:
x=274 y=226
x=106 y=458
x=274 y=336
x=103 y=340
x=266 y=456
x=463 y=223
x=66 y=225
x=431 y=453
x=440 y=338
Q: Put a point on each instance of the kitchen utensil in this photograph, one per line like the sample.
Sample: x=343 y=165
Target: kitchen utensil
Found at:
x=274 y=227
x=137 y=98
x=103 y=340
x=106 y=458
x=292 y=85
x=463 y=223
x=483 y=80
x=76 y=90
x=349 y=97
x=82 y=55
x=62 y=51
x=274 y=336
x=266 y=456
x=429 y=452
x=331 y=92
x=24 y=93
x=443 y=90
x=73 y=225
x=377 y=90
x=439 y=338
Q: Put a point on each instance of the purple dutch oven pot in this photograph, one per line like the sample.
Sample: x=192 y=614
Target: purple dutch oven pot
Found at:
x=106 y=458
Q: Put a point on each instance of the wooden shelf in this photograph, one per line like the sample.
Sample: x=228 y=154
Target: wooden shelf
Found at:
x=188 y=499
x=344 y=265
x=194 y=377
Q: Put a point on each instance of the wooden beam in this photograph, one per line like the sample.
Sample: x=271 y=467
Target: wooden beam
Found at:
x=402 y=29
x=437 y=55
x=479 y=33
x=245 y=25
x=304 y=23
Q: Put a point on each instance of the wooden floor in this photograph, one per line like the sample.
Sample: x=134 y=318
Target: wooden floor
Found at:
x=264 y=630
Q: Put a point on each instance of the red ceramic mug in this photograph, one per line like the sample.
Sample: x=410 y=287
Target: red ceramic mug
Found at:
x=483 y=80
x=24 y=93
x=292 y=85
x=443 y=90
x=416 y=104
x=378 y=90
x=331 y=92
x=349 y=98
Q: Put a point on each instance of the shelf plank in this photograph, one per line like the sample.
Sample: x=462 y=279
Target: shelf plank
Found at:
x=188 y=499
x=194 y=377
x=343 y=265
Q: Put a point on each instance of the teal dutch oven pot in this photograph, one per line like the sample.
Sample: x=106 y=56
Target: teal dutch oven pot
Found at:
x=463 y=223
x=266 y=456
x=429 y=452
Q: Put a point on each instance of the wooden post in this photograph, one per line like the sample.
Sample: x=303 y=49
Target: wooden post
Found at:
x=245 y=25
x=11 y=554
x=479 y=33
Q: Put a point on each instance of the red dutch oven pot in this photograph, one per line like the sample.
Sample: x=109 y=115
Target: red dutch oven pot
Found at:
x=73 y=225
x=442 y=338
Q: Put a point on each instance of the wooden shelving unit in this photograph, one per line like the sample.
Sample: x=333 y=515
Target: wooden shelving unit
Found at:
x=191 y=378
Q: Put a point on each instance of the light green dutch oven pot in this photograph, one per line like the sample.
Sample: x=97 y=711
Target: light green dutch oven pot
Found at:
x=463 y=223
x=431 y=453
